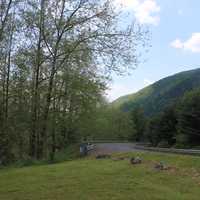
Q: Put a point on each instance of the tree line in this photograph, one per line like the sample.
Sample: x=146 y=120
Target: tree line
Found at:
x=176 y=126
x=179 y=124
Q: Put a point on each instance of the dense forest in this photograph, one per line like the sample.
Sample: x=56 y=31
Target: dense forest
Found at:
x=56 y=58
x=178 y=125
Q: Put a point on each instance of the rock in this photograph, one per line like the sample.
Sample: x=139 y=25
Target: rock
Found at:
x=161 y=166
x=135 y=161
x=103 y=156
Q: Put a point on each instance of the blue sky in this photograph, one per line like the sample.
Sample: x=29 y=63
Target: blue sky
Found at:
x=175 y=29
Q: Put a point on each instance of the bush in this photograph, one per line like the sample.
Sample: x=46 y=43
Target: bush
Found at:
x=182 y=146
x=196 y=147
x=181 y=140
x=71 y=152
x=163 y=144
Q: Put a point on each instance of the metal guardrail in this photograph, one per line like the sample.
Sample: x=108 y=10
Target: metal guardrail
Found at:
x=170 y=150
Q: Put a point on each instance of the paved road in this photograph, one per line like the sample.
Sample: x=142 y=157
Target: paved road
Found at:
x=109 y=148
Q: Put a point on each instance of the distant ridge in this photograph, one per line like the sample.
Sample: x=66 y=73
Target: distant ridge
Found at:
x=156 y=97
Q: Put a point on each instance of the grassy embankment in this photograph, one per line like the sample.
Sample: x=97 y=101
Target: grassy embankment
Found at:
x=106 y=179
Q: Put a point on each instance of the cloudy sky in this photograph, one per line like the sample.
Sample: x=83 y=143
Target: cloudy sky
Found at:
x=175 y=29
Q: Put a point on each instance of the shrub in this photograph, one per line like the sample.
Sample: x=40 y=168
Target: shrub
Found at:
x=163 y=144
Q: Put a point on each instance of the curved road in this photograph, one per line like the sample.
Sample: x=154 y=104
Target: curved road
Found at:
x=109 y=148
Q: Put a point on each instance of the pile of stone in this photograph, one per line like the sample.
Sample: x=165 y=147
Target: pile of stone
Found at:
x=161 y=166
x=135 y=161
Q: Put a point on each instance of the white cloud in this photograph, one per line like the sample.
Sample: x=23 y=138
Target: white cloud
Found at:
x=177 y=44
x=146 y=11
x=147 y=82
x=192 y=44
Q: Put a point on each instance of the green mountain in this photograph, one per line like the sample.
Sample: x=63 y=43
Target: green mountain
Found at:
x=156 y=97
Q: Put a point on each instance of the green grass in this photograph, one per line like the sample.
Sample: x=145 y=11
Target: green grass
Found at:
x=106 y=179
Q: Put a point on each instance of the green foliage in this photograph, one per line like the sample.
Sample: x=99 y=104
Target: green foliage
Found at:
x=182 y=141
x=179 y=124
x=70 y=152
x=160 y=95
x=189 y=119
x=107 y=123
x=56 y=58
x=163 y=144
x=139 y=123
x=161 y=129
x=153 y=130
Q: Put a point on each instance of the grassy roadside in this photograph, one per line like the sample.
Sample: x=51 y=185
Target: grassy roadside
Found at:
x=91 y=179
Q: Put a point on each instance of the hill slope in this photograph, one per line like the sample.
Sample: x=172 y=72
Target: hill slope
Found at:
x=161 y=94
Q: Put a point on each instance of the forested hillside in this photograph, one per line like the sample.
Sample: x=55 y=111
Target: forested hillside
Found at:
x=160 y=95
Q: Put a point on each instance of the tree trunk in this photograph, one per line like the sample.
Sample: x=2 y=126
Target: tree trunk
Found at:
x=43 y=140
x=34 y=137
x=53 y=136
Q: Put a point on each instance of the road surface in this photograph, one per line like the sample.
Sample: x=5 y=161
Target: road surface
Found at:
x=109 y=148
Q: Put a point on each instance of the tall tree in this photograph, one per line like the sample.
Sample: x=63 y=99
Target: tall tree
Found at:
x=139 y=123
x=7 y=21
x=5 y=7
x=189 y=119
x=82 y=26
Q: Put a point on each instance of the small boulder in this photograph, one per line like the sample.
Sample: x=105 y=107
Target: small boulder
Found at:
x=161 y=166
x=135 y=161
